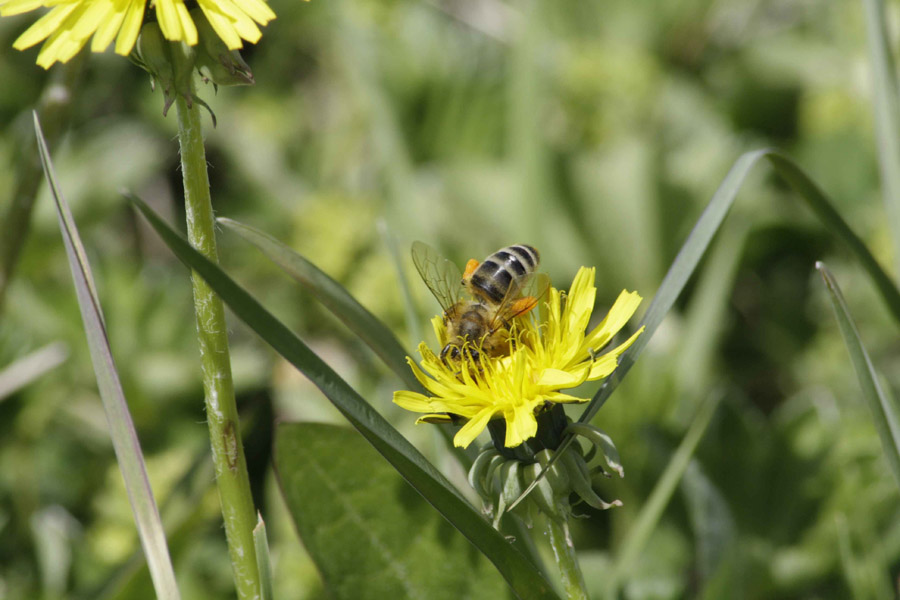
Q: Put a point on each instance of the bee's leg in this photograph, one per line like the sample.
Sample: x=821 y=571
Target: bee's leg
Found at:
x=470 y=268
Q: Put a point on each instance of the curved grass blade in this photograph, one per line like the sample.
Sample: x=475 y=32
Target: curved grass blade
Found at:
x=885 y=412
x=333 y=295
x=521 y=575
x=413 y=321
x=659 y=498
x=886 y=98
x=121 y=427
x=263 y=563
x=346 y=308
x=695 y=247
x=25 y=370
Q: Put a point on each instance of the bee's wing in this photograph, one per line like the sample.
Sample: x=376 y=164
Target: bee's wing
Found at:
x=533 y=286
x=440 y=275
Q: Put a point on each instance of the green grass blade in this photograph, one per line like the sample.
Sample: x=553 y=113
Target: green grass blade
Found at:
x=261 y=544
x=886 y=98
x=345 y=307
x=698 y=241
x=816 y=199
x=709 y=223
x=885 y=413
x=413 y=320
x=521 y=575
x=646 y=522
x=25 y=370
x=121 y=427
x=681 y=270
x=333 y=295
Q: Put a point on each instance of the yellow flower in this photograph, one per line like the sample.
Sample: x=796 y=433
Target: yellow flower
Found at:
x=552 y=353
x=69 y=23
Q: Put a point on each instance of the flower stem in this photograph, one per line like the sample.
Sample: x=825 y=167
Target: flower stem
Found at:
x=221 y=410
x=564 y=552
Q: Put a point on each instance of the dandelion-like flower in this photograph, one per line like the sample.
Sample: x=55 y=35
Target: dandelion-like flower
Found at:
x=552 y=352
x=66 y=28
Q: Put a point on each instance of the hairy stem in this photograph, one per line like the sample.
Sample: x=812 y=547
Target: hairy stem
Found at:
x=221 y=410
x=564 y=553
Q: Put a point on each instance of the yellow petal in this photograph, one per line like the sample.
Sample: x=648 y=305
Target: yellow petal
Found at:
x=435 y=419
x=606 y=364
x=44 y=27
x=17 y=7
x=471 y=430
x=520 y=425
x=107 y=30
x=131 y=27
x=222 y=25
x=622 y=310
x=580 y=301
x=557 y=378
x=413 y=401
x=257 y=10
x=561 y=398
x=175 y=21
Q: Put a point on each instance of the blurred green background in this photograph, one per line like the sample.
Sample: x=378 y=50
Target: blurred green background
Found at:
x=596 y=131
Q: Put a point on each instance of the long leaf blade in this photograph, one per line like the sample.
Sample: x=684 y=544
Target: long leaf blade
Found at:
x=886 y=98
x=884 y=411
x=263 y=561
x=519 y=573
x=121 y=427
x=708 y=225
x=333 y=295
x=17 y=375
x=346 y=308
x=695 y=247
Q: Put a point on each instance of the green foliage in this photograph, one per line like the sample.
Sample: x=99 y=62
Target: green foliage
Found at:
x=521 y=574
x=597 y=131
x=370 y=534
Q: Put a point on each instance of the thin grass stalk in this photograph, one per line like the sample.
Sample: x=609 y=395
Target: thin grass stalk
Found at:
x=212 y=332
x=15 y=221
x=886 y=99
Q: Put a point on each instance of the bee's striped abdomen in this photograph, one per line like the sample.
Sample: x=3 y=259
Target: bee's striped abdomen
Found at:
x=494 y=276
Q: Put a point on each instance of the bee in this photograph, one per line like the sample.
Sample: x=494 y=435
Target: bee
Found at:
x=495 y=290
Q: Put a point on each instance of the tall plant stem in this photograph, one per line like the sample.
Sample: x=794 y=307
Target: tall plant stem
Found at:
x=212 y=332
x=564 y=553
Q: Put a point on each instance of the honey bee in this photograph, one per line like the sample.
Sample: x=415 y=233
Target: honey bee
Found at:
x=479 y=323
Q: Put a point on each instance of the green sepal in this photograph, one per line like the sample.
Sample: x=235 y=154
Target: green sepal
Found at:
x=215 y=61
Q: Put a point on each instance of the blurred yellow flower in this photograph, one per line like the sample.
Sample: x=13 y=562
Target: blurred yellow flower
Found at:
x=69 y=23
x=552 y=353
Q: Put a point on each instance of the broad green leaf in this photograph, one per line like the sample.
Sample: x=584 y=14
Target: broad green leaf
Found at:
x=121 y=427
x=370 y=534
x=521 y=575
x=25 y=370
x=885 y=412
x=263 y=562
x=647 y=519
x=695 y=247
x=333 y=295
x=886 y=97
